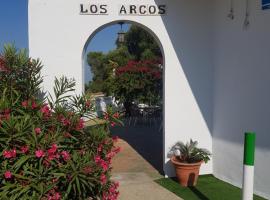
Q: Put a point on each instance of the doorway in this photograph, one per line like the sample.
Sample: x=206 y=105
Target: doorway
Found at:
x=123 y=67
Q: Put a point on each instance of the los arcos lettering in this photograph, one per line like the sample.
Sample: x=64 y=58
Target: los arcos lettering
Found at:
x=136 y=10
x=93 y=9
x=142 y=10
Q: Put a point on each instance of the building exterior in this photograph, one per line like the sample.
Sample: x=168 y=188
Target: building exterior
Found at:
x=217 y=67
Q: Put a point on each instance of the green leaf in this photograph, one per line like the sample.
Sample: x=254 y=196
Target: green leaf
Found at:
x=20 y=162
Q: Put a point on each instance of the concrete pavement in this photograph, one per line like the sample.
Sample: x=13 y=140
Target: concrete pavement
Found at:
x=136 y=177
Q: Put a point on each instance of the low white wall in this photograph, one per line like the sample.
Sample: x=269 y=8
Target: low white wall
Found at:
x=242 y=92
x=57 y=34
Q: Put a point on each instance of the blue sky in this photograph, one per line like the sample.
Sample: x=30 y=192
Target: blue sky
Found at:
x=13 y=21
x=105 y=39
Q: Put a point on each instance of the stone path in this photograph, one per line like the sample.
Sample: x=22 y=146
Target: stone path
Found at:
x=136 y=177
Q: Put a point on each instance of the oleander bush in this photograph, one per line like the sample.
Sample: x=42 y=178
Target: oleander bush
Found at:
x=46 y=150
x=139 y=81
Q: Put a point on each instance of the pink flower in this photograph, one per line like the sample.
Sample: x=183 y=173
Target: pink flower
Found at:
x=104 y=166
x=116 y=115
x=9 y=154
x=46 y=163
x=8 y=175
x=51 y=157
x=88 y=103
x=102 y=163
x=25 y=149
x=45 y=110
x=53 y=195
x=80 y=125
x=65 y=155
x=113 y=124
x=112 y=193
x=37 y=131
x=115 y=138
x=25 y=104
x=110 y=155
x=100 y=147
x=54 y=148
x=34 y=105
x=52 y=152
x=103 y=179
x=56 y=196
x=97 y=159
x=13 y=153
x=39 y=153
x=65 y=122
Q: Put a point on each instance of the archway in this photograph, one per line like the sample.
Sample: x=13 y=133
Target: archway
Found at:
x=155 y=127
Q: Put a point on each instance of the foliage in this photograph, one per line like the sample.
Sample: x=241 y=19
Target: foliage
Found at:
x=139 y=81
x=139 y=45
x=190 y=153
x=46 y=151
x=102 y=68
x=24 y=75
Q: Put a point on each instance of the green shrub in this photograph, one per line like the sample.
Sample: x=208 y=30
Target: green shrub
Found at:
x=189 y=152
x=46 y=152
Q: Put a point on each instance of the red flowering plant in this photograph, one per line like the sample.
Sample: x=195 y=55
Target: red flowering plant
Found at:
x=46 y=150
x=139 y=81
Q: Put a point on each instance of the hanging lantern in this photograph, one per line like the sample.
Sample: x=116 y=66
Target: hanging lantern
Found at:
x=121 y=34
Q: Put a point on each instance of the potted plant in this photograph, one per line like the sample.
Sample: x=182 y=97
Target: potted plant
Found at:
x=187 y=159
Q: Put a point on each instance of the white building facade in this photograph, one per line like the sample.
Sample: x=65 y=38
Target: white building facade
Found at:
x=217 y=71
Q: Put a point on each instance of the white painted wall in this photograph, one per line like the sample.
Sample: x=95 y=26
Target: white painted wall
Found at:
x=242 y=92
x=57 y=35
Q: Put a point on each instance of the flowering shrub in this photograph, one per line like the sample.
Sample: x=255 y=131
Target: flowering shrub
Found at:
x=46 y=151
x=149 y=67
x=139 y=81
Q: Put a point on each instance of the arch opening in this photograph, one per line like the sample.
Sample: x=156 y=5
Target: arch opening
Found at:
x=154 y=128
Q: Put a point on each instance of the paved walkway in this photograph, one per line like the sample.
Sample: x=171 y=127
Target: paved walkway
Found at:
x=136 y=176
x=139 y=186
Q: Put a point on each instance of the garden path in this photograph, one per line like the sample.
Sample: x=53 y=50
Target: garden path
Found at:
x=140 y=163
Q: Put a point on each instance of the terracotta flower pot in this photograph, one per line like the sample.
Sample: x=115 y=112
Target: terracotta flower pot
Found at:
x=187 y=173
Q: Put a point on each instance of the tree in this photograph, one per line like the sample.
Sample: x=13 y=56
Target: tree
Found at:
x=141 y=44
x=102 y=68
x=138 y=81
x=96 y=61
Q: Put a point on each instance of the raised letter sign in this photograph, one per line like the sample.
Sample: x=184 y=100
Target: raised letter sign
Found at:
x=150 y=10
x=93 y=9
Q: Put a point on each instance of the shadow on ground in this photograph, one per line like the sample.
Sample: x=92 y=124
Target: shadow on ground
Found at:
x=146 y=137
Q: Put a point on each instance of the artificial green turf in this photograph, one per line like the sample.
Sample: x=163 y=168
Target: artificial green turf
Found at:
x=208 y=188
